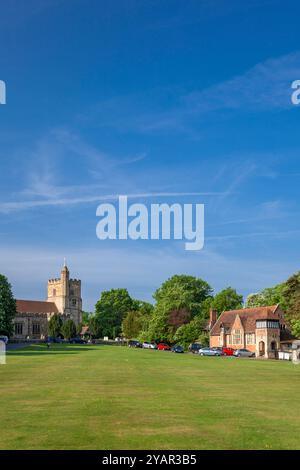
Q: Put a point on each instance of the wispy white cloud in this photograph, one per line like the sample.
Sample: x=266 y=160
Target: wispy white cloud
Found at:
x=265 y=86
x=7 y=207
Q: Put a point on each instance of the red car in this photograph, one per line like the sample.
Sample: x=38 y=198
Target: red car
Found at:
x=163 y=347
x=228 y=351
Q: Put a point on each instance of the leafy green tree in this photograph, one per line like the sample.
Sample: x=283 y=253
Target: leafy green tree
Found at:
x=112 y=307
x=85 y=317
x=179 y=293
x=68 y=329
x=191 y=332
x=132 y=324
x=95 y=327
x=55 y=325
x=268 y=296
x=227 y=299
x=182 y=291
x=291 y=297
x=296 y=328
x=7 y=307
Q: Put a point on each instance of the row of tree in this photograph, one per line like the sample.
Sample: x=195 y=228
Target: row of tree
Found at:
x=179 y=314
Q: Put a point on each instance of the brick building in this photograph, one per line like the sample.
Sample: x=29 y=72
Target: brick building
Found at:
x=259 y=329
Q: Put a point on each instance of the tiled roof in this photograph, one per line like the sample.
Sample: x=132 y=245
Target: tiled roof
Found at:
x=248 y=318
x=36 y=306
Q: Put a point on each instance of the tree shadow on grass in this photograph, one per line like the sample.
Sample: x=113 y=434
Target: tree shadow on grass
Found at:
x=41 y=350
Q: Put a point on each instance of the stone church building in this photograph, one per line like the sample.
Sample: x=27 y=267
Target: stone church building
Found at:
x=63 y=298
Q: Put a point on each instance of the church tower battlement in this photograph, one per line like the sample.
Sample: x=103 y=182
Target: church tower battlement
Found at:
x=66 y=294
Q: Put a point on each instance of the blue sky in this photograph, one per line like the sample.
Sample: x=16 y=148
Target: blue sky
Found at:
x=147 y=97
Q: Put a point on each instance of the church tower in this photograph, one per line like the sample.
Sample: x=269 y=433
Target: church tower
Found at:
x=66 y=294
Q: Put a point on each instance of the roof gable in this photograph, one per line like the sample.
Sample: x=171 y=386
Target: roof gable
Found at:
x=35 y=306
x=247 y=316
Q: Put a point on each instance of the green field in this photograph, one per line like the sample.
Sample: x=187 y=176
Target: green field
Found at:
x=110 y=397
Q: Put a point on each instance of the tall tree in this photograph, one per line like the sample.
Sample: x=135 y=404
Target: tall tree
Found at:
x=95 y=327
x=227 y=299
x=68 y=329
x=268 y=296
x=132 y=324
x=55 y=325
x=193 y=331
x=291 y=297
x=111 y=309
x=7 y=307
x=180 y=292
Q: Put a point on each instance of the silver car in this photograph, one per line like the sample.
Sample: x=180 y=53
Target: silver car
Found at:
x=243 y=353
x=147 y=345
x=209 y=352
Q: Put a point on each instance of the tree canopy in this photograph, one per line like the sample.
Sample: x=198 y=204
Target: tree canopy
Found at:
x=7 y=307
x=55 y=325
x=112 y=307
x=227 y=299
x=68 y=329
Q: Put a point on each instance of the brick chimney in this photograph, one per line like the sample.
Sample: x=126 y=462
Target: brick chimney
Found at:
x=212 y=318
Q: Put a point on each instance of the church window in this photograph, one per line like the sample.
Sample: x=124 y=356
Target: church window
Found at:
x=36 y=329
x=54 y=292
x=74 y=302
x=18 y=328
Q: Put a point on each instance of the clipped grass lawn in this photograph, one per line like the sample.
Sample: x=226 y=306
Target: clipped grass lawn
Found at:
x=110 y=397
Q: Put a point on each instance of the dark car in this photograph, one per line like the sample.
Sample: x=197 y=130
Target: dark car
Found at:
x=77 y=341
x=177 y=349
x=134 y=344
x=194 y=348
x=53 y=339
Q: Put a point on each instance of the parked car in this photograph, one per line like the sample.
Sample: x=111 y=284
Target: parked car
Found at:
x=163 y=347
x=177 y=349
x=218 y=349
x=194 y=347
x=77 y=341
x=243 y=353
x=53 y=339
x=147 y=345
x=228 y=351
x=209 y=352
x=4 y=339
x=133 y=343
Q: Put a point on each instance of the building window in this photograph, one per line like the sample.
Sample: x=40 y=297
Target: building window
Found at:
x=74 y=302
x=236 y=337
x=54 y=292
x=229 y=341
x=36 y=329
x=18 y=328
x=267 y=324
x=250 y=338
